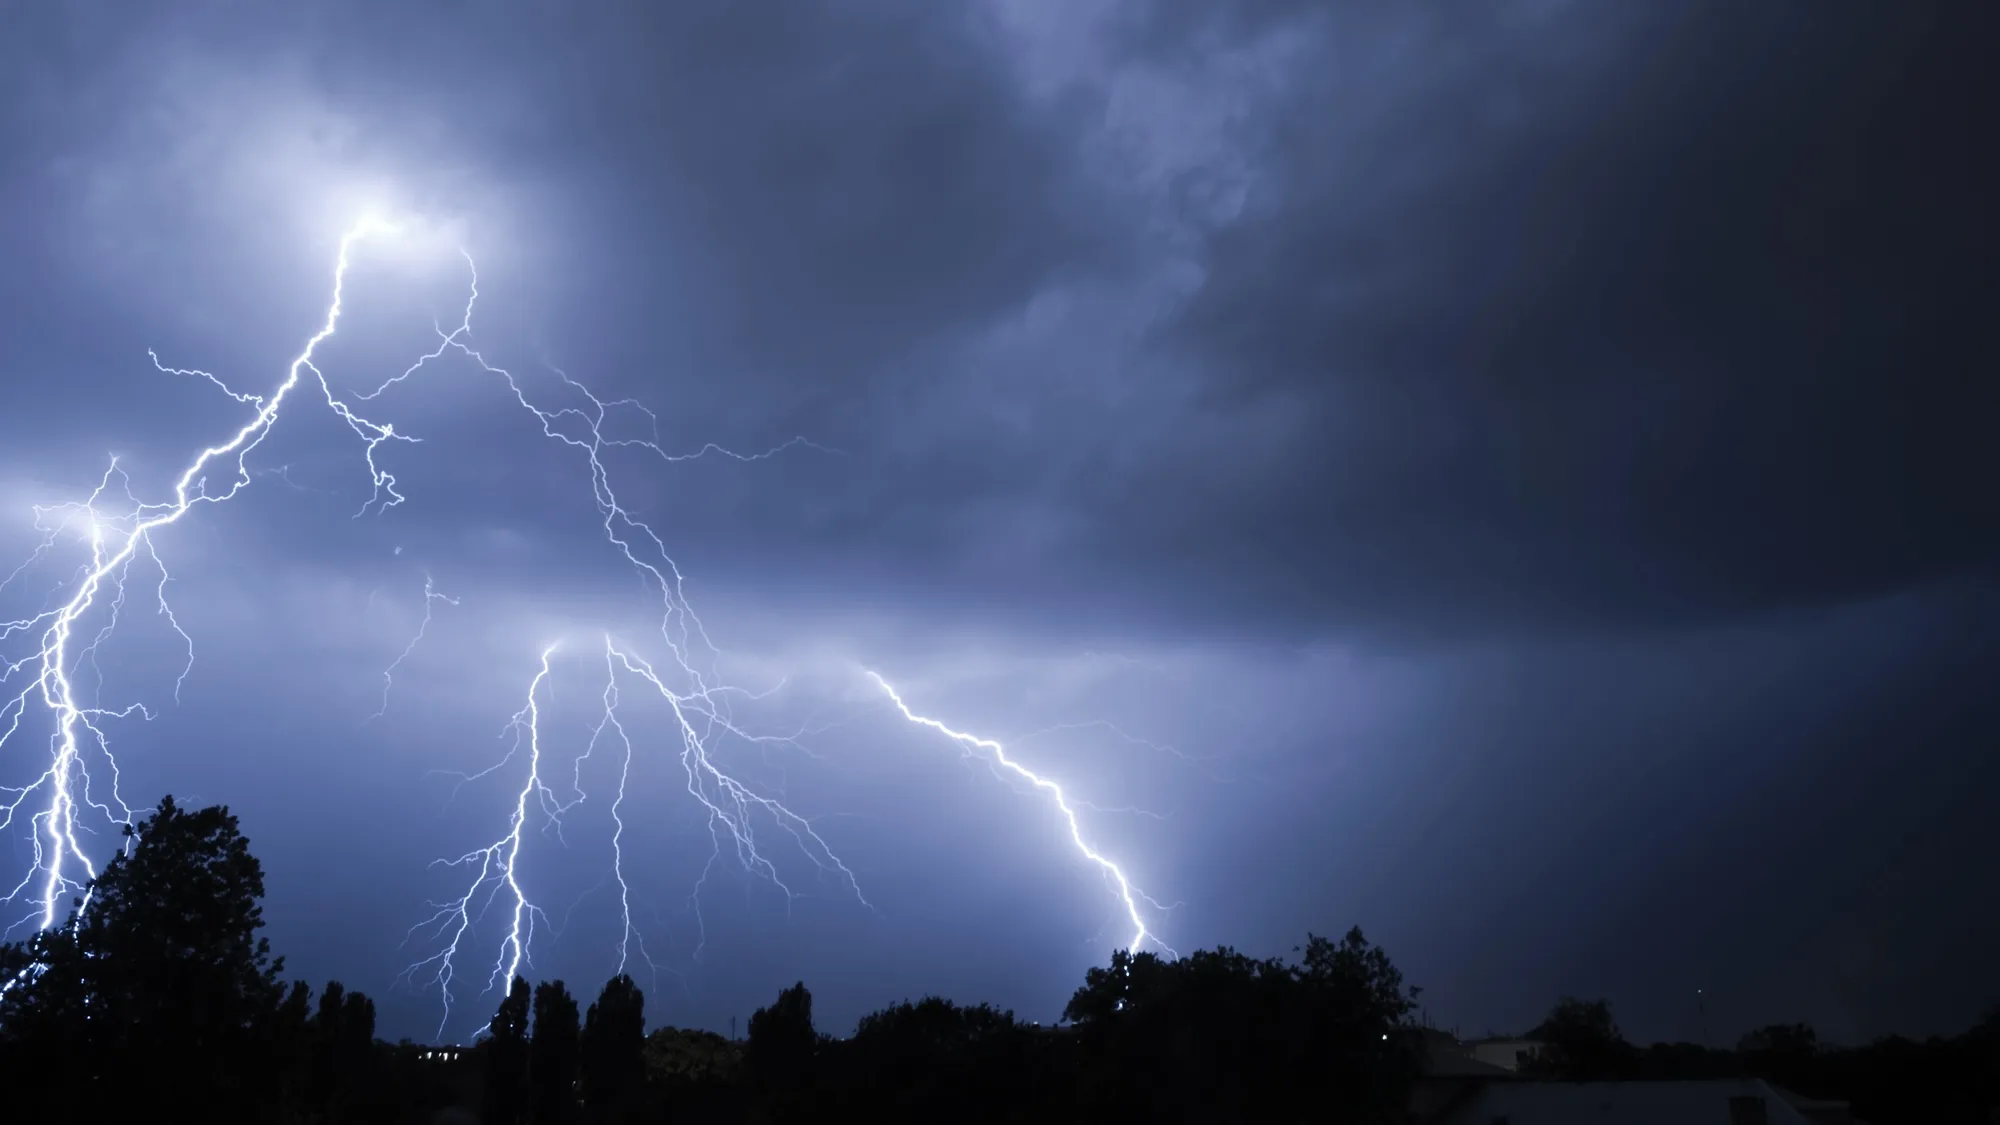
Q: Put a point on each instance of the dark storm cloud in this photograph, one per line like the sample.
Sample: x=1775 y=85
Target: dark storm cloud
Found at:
x=845 y=182
x=1140 y=322
x=1603 y=315
x=1538 y=315
x=1546 y=316
x=794 y=214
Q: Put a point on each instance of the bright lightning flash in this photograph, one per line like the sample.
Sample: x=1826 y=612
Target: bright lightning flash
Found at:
x=1128 y=894
x=119 y=537
x=497 y=865
x=701 y=706
x=431 y=598
x=53 y=647
x=82 y=775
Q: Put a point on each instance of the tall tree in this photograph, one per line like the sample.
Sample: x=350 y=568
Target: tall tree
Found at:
x=782 y=1038
x=1218 y=1035
x=504 y=1099
x=44 y=1030
x=1788 y=1054
x=332 y=999
x=1359 y=977
x=1199 y=1037
x=613 y=1051
x=357 y=1022
x=328 y=1074
x=292 y=1037
x=180 y=990
x=296 y=1011
x=936 y=1060
x=1353 y=1035
x=343 y=1035
x=552 y=1055
x=1580 y=1043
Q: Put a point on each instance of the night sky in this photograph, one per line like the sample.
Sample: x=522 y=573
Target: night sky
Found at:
x=1514 y=476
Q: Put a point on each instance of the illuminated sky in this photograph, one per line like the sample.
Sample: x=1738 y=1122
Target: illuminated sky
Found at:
x=1515 y=481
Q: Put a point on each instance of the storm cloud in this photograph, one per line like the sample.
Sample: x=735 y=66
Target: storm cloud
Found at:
x=1529 y=422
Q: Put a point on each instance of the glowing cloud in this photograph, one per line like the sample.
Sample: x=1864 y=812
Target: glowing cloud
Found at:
x=1128 y=894
x=42 y=654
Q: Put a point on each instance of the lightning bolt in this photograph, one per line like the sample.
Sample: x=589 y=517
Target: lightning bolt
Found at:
x=734 y=812
x=702 y=707
x=81 y=775
x=733 y=807
x=119 y=537
x=1129 y=895
x=80 y=780
x=496 y=867
x=431 y=598
x=627 y=934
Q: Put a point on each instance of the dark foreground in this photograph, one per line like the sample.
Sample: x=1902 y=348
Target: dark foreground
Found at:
x=161 y=1000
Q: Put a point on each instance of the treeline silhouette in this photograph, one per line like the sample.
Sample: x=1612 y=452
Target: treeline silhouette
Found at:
x=160 y=999
x=1888 y=1081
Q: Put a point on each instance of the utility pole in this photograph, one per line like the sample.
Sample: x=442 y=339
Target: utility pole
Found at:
x=1701 y=1010
x=732 y=1029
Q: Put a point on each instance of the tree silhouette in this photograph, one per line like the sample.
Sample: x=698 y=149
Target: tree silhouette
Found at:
x=1788 y=1054
x=936 y=1060
x=1354 y=1009
x=503 y=1100
x=1358 y=978
x=780 y=1047
x=163 y=988
x=43 y=1026
x=695 y=1076
x=296 y=1062
x=1794 y=1039
x=1175 y=1040
x=332 y=999
x=343 y=1040
x=935 y=1025
x=163 y=982
x=357 y=1024
x=1217 y=1035
x=613 y=1051
x=552 y=1055
x=1580 y=1043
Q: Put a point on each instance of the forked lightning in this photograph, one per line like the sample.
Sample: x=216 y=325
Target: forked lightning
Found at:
x=44 y=655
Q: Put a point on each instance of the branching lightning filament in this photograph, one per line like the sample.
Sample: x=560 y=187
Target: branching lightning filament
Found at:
x=51 y=649
x=1128 y=895
x=701 y=707
x=431 y=598
x=48 y=666
x=48 y=672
